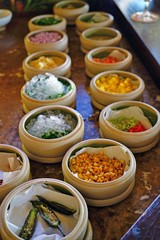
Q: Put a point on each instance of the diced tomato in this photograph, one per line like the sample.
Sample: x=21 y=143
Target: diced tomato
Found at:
x=137 y=128
x=108 y=59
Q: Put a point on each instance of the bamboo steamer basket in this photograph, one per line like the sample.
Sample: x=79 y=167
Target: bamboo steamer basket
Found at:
x=81 y=231
x=137 y=142
x=69 y=99
x=21 y=177
x=49 y=150
x=105 y=193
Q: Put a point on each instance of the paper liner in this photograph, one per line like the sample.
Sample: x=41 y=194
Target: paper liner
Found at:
x=111 y=152
x=117 y=54
x=132 y=111
x=21 y=205
x=10 y=167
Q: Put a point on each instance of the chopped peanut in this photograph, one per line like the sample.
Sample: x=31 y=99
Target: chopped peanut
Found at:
x=96 y=167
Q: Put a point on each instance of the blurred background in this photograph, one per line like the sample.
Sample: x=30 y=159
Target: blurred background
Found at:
x=45 y=6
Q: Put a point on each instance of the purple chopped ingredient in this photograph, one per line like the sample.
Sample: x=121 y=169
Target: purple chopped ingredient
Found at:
x=45 y=37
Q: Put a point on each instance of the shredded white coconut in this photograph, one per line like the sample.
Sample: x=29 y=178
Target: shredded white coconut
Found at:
x=44 y=87
x=51 y=124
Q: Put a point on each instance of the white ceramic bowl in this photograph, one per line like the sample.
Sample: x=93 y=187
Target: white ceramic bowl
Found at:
x=93 y=19
x=60 y=26
x=21 y=177
x=70 y=9
x=69 y=99
x=137 y=141
x=76 y=228
x=49 y=150
x=5 y=18
x=42 y=45
x=102 y=193
x=62 y=70
x=99 y=37
x=101 y=98
x=93 y=68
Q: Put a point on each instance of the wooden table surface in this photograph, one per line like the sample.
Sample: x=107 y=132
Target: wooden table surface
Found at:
x=108 y=223
x=147 y=227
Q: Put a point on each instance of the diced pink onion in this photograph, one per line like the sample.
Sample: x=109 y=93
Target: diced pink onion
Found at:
x=45 y=37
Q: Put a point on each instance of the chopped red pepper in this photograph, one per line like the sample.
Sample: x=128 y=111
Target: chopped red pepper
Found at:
x=137 y=128
x=108 y=59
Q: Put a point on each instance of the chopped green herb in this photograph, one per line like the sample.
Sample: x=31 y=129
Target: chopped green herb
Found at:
x=47 y=21
x=124 y=123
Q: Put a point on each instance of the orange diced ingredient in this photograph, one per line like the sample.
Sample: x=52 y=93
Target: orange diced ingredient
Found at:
x=96 y=167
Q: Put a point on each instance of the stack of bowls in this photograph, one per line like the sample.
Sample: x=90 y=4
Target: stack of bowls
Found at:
x=52 y=61
x=99 y=36
x=31 y=101
x=17 y=205
x=70 y=9
x=96 y=60
x=47 y=21
x=93 y=19
x=116 y=85
x=23 y=174
x=100 y=193
x=147 y=115
x=64 y=125
x=42 y=40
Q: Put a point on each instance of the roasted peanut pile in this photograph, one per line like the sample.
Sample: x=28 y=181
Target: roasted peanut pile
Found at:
x=96 y=167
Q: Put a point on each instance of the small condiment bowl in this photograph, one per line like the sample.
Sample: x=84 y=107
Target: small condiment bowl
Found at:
x=17 y=205
x=123 y=57
x=70 y=9
x=67 y=99
x=5 y=18
x=116 y=85
x=50 y=148
x=100 y=193
x=39 y=23
x=144 y=114
x=45 y=40
x=21 y=177
x=48 y=64
x=93 y=19
x=99 y=37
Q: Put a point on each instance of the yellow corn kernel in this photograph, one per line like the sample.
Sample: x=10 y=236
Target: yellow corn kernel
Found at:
x=115 y=84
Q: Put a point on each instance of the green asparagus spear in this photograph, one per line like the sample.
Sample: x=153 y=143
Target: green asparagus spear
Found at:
x=48 y=215
x=57 y=206
x=29 y=225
